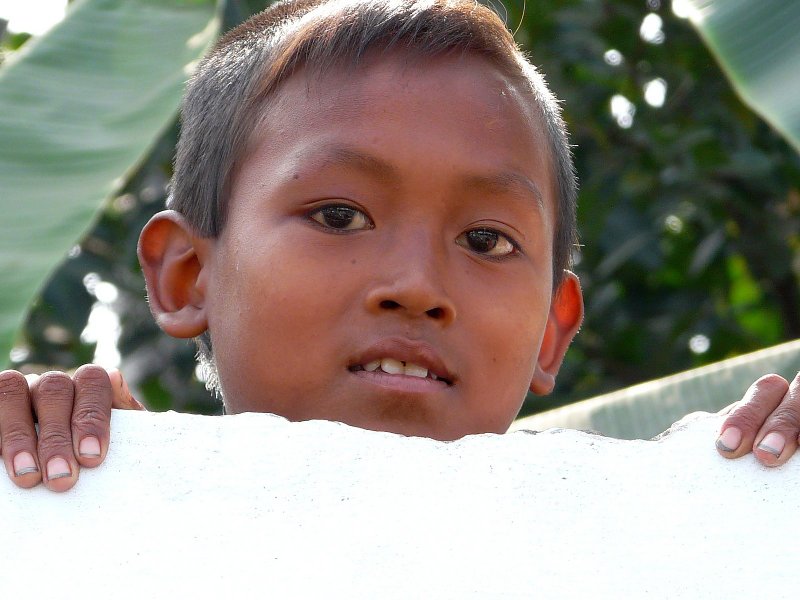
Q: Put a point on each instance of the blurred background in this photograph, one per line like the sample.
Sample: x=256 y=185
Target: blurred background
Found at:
x=689 y=213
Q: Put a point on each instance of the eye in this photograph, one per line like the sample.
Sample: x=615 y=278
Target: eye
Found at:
x=487 y=242
x=341 y=218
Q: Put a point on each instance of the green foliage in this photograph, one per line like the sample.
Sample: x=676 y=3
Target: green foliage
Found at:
x=758 y=47
x=647 y=409
x=689 y=214
x=79 y=109
x=688 y=218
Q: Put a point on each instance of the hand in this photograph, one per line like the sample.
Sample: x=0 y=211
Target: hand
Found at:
x=766 y=421
x=74 y=416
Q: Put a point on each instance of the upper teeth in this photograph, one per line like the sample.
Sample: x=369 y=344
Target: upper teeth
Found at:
x=397 y=367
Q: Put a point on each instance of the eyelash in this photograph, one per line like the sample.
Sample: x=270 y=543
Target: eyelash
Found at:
x=322 y=215
x=513 y=250
x=341 y=211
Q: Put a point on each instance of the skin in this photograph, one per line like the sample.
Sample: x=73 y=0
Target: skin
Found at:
x=73 y=413
x=420 y=160
x=296 y=292
x=766 y=421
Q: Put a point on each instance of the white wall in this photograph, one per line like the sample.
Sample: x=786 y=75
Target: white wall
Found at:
x=252 y=505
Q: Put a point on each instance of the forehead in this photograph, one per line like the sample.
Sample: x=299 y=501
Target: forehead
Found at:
x=477 y=118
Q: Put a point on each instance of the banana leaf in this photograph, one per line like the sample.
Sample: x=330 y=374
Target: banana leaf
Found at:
x=758 y=46
x=80 y=107
x=645 y=410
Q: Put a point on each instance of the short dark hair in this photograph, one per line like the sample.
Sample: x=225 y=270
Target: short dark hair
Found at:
x=226 y=96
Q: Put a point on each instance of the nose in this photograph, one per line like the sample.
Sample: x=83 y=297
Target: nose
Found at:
x=412 y=283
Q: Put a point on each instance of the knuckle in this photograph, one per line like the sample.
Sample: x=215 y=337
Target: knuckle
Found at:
x=92 y=386
x=92 y=377
x=746 y=418
x=53 y=438
x=88 y=417
x=785 y=419
x=12 y=382
x=17 y=437
x=53 y=395
x=54 y=383
x=770 y=384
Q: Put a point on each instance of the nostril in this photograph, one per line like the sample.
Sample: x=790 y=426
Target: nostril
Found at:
x=435 y=313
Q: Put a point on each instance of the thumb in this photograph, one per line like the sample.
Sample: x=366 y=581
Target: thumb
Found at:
x=122 y=395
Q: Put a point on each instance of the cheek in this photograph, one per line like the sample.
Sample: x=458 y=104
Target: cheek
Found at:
x=511 y=311
x=264 y=297
x=277 y=303
x=511 y=333
x=519 y=348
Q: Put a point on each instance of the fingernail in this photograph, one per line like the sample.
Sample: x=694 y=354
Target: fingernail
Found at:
x=89 y=447
x=729 y=440
x=772 y=443
x=24 y=464
x=57 y=468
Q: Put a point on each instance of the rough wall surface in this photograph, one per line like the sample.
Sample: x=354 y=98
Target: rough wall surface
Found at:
x=252 y=505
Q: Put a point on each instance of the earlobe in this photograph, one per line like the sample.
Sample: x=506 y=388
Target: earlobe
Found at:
x=564 y=321
x=171 y=255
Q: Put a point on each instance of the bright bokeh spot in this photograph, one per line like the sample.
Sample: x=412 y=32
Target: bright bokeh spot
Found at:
x=674 y=224
x=19 y=354
x=622 y=110
x=106 y=292
x=613 y=57
x=655 y=92
x=32 y=16
x=699 y=344
x=103 y=327
x=685 y=9
x=650 y=30
x=90 y=281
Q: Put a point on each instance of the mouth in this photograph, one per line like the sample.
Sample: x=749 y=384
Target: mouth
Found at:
x=392 y=366
x=401 y=359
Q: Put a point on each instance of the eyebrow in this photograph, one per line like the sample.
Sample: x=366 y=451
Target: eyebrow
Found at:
x=500 y=182
x=344 y=156
x=507 y=181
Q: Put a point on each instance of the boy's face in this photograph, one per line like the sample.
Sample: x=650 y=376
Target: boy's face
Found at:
x=399 y=214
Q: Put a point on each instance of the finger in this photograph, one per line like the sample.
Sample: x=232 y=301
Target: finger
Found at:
x=776 y=441
x=52 y=398
x=122 y=395
x=91 y=415
x=17 y=431
x=738 y=431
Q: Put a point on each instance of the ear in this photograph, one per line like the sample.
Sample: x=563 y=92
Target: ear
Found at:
x=171 y=255
x=564 y=321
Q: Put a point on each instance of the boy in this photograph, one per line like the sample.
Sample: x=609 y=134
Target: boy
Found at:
x=371 y=221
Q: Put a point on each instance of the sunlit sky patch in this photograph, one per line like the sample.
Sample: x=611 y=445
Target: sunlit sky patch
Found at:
x=103 y=327
x=687 y=9
x=32 y=16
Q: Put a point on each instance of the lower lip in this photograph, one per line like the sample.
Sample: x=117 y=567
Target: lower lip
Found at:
x=401 y=383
